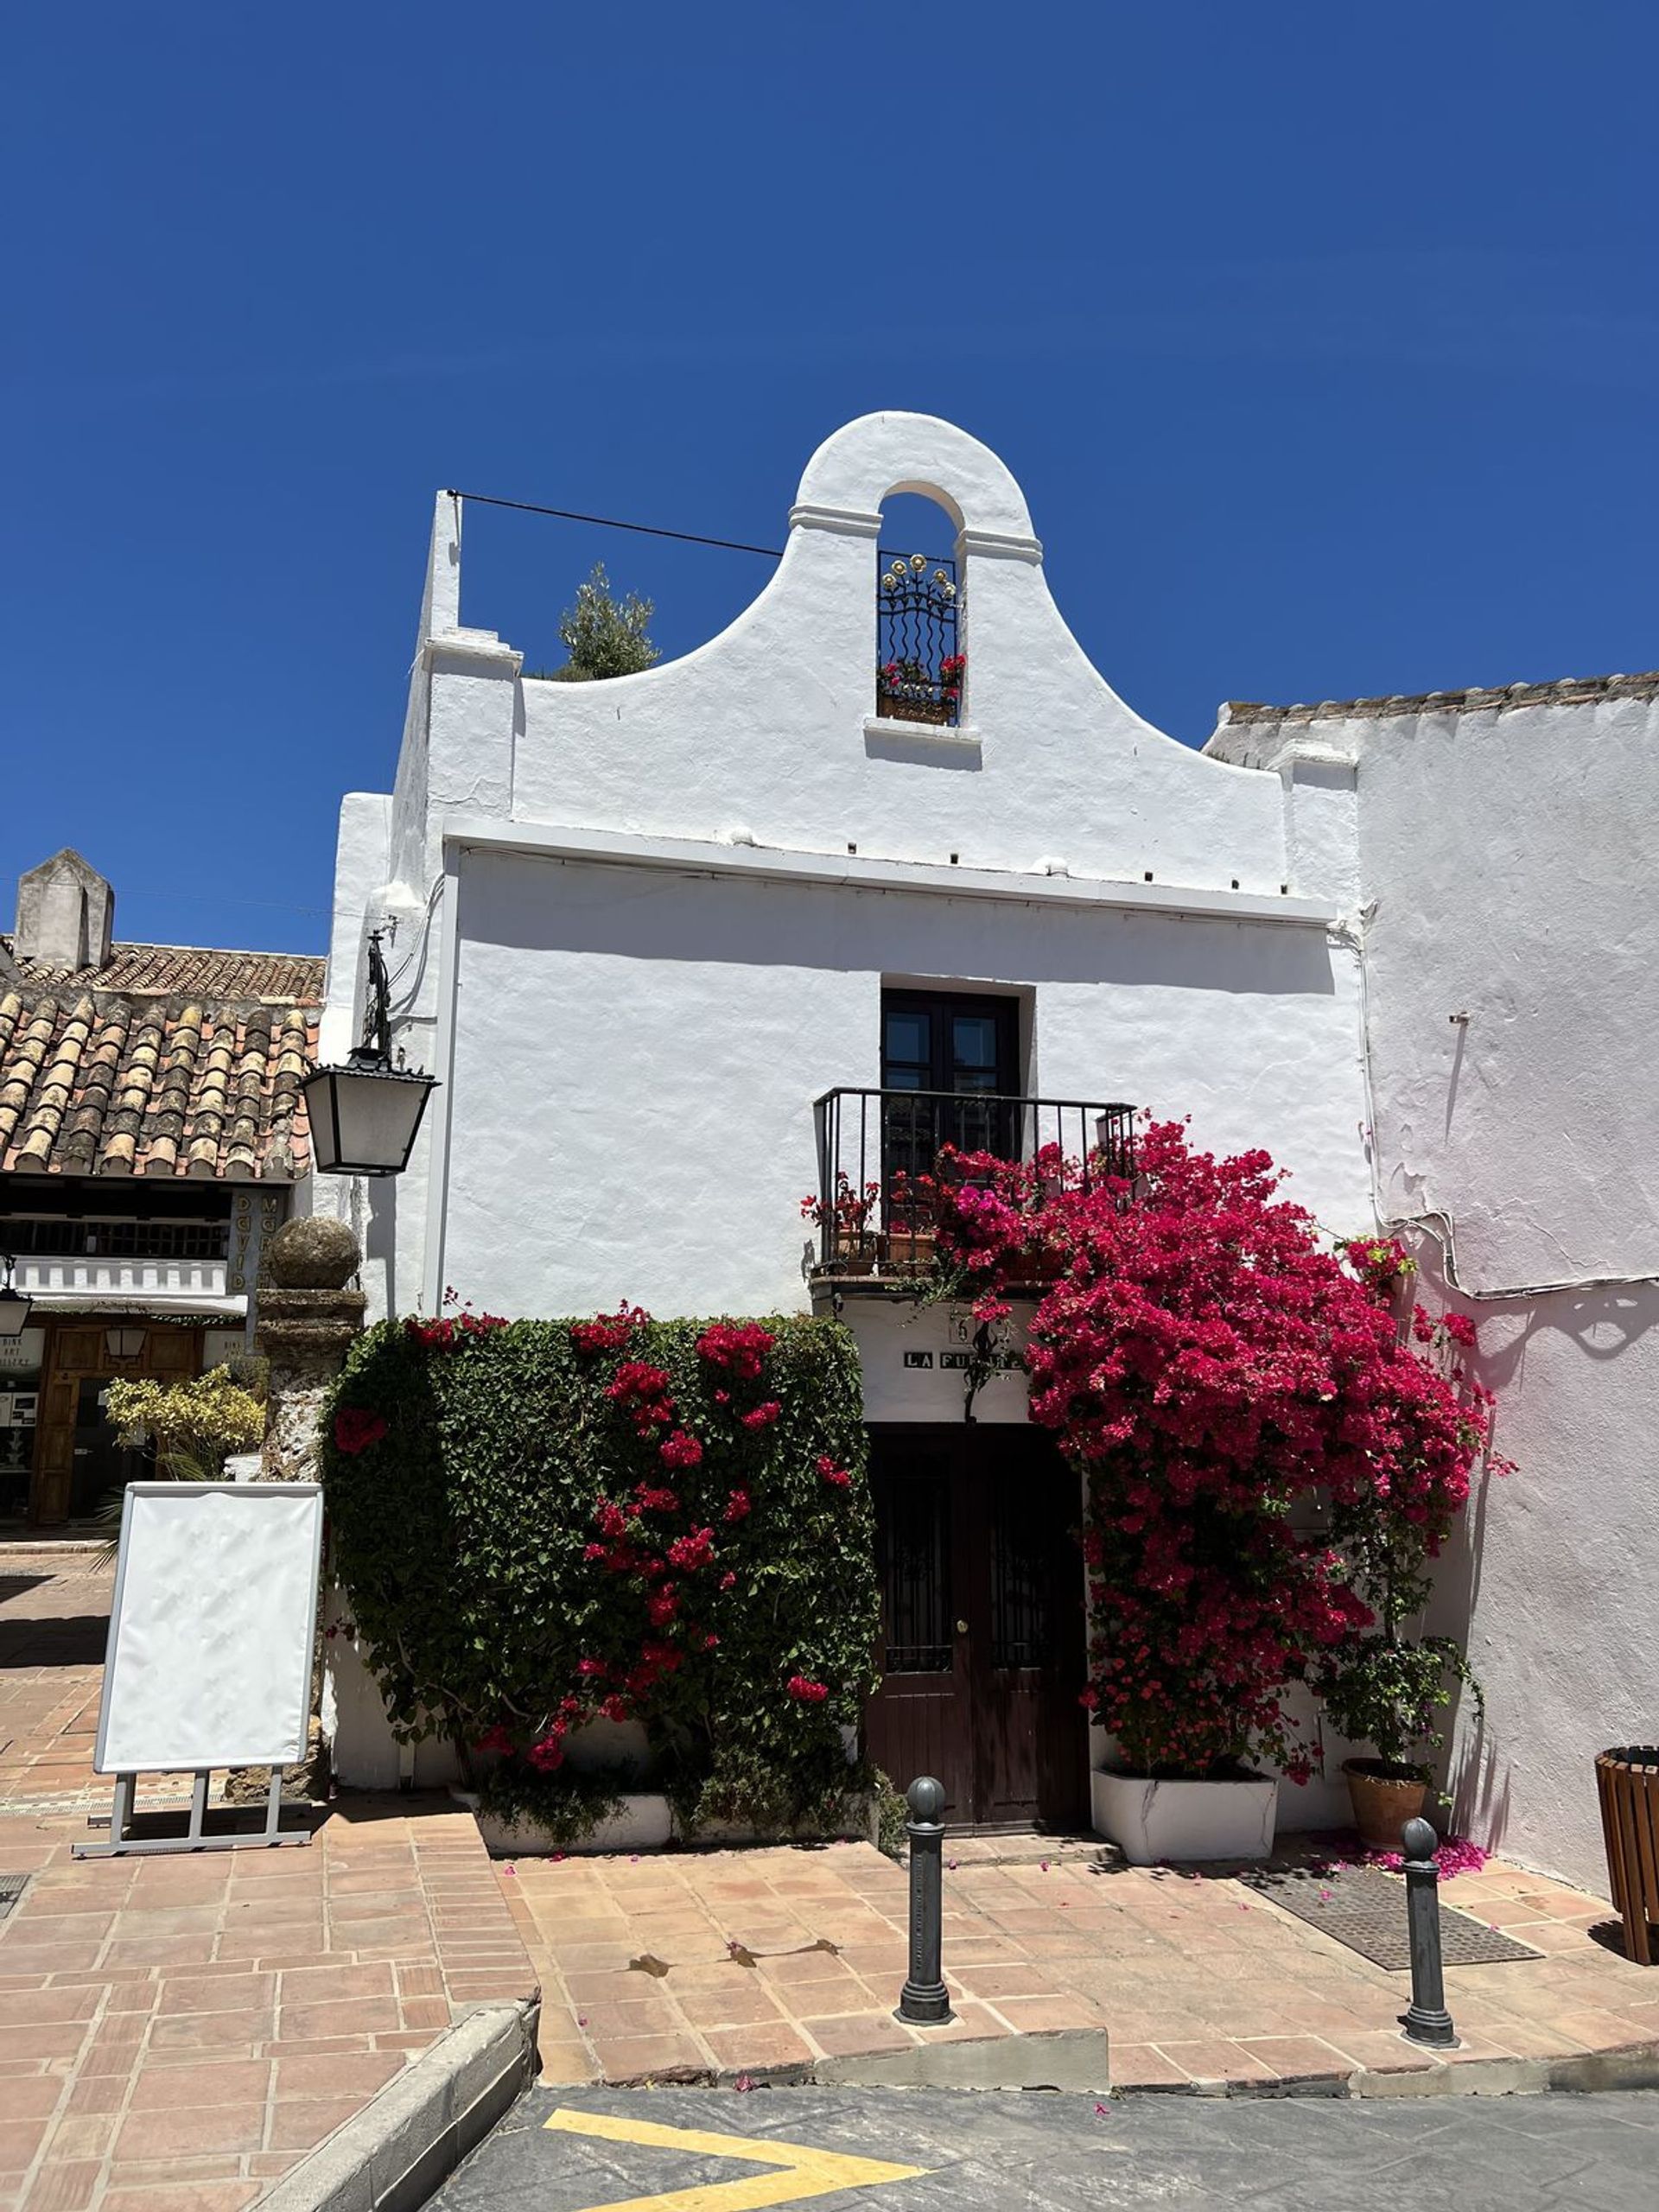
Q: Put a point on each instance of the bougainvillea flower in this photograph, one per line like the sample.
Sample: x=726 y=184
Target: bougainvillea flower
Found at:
x=356 y=1427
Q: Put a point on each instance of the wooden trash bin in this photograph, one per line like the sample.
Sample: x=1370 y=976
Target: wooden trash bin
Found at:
x=1628 y=1780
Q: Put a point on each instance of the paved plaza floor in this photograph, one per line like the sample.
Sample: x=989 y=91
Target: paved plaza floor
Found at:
x=703 y=1965
x=181 y=2031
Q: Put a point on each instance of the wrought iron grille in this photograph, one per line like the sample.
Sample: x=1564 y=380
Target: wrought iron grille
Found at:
x=915 y=1569
x=920 y=668
x=877 y=1148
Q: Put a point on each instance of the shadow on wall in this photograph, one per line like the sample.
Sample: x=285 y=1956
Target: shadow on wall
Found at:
x=1541 y=1433
x=655 y=915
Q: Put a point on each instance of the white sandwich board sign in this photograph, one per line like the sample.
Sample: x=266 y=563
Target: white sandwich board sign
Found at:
x=211 y=1632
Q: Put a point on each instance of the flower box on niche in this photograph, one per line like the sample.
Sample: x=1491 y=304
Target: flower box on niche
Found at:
x=1152 y=1822
x=910 y=710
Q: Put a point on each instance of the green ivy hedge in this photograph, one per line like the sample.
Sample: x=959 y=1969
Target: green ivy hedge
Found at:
x=542 y=1522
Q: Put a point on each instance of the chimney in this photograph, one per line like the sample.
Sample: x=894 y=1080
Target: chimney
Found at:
x=66 y=913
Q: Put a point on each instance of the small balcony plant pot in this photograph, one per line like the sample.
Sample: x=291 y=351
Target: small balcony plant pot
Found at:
x=854 y=1256
x=1384 y=1798
x=1152 y=1822
x=910 y=1252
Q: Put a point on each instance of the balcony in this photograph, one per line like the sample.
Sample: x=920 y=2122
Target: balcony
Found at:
x=195 y=1286
x=876 y=1221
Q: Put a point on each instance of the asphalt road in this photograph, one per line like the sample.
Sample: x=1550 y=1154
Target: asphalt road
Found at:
x=575 y=2151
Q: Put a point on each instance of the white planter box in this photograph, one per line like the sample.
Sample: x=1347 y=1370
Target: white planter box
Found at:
x=645 y=1823
x=1152 y=1822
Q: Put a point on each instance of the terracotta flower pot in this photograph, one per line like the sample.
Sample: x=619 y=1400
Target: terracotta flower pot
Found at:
x=1384 y=1800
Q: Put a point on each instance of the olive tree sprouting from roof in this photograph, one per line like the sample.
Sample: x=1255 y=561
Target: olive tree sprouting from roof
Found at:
x=603 y=633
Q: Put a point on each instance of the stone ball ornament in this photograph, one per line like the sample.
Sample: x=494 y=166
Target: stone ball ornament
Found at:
x=313 y=1253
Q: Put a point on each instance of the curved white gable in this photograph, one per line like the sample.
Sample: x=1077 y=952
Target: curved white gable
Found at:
x=766 y=731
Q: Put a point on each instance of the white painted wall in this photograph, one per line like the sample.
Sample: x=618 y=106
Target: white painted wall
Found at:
x=636 y=1051
x=1506 y=855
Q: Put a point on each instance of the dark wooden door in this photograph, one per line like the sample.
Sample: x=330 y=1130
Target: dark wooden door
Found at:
x=983 y=1628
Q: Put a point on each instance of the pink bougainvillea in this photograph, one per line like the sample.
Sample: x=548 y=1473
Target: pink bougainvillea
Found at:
x=1209 y=1368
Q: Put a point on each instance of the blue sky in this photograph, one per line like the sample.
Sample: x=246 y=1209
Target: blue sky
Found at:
x=1324 y=342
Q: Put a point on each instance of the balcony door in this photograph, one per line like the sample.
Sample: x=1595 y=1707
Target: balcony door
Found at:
x=959 y=1054
x=983 y=1630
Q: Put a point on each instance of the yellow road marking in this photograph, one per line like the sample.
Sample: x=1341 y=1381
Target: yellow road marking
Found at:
x=799 y=2171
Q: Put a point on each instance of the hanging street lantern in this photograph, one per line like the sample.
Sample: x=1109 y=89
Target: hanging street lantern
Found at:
x=364 y=1115
x=14 y=1305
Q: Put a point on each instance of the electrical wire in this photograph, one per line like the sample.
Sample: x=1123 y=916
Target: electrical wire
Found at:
x=610 y=522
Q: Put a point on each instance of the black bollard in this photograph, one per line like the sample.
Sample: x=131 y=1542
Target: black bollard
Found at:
x=1427 y=2019
x=924 y=2001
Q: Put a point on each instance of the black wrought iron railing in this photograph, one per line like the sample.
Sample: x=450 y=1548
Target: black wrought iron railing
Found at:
x=879 y=1162
x=920 y=668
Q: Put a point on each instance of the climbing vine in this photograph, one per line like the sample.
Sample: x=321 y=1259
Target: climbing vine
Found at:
x=542 y=1524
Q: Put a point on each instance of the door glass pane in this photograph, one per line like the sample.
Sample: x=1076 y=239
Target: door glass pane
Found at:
x=1021 y=1576
x=973 y=1046
x=913 y=1553
x=909 y=1040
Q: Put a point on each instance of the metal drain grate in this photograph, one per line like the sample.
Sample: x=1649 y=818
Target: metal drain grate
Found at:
x=1367 y=1911
x=11 y=1888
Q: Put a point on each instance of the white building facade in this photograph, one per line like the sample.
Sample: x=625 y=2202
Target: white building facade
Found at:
x=643 y=925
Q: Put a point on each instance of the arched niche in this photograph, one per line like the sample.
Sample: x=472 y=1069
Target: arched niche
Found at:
x=920 y=613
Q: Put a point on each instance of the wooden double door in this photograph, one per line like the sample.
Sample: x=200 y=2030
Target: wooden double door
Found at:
x=984 y=1638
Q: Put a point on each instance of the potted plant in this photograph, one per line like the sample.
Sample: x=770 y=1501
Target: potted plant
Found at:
x=849 y=1248
x=1384 y=1688
x=1386 y=1691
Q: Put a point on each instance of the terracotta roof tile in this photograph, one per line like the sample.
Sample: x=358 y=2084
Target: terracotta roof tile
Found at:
x=1568 y=691
x=169 y=1060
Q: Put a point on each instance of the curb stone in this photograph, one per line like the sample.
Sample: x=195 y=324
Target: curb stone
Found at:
x=391 y=2156
x=1076 y=2060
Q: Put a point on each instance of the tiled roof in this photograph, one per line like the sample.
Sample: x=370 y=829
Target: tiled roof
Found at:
x=167 y=1060
x=1568 y=692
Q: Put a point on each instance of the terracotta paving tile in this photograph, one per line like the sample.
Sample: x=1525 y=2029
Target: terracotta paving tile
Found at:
x=359 y=2074
x=350 y=2016
x=179 y=2130
x=739 y=2001
x=1292 y=2057
x=321 y=1984
x=224 y=2033
x=57 y=2039
x=1143 y=2066
x=188 y=2197
x=224 y=1992
x=84 y=2135
x=1383 y=2052
x=299 y=2123
x=759 y=2046
x=19 y=2141
x=235 y=2081
x=849 y=2034
x=66 y=2187
x=1217 y=2060
x=95 y=2093
x=29 y=2007
x=641 y=2058
x=1046 y=2015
